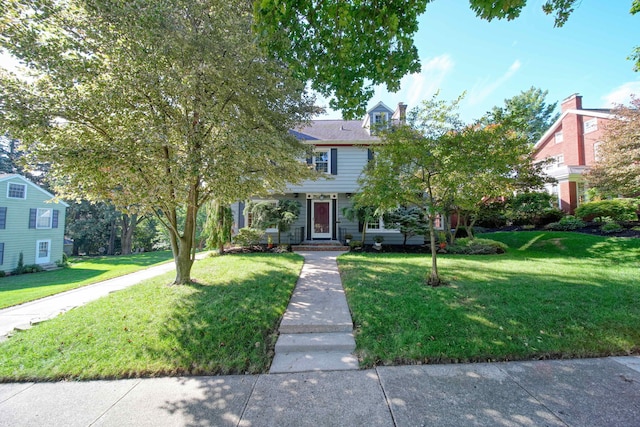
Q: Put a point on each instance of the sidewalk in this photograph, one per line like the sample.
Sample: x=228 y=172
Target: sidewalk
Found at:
x=587 y=392
x=583 y=392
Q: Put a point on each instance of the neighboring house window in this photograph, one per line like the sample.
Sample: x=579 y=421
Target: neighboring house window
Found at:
x=3 y=218
x=559 y=137
x=581 y=192
x=43 y=218
x=556 y=162
x=597 y=151
x=590 y=125
x=1 y=253
x=16 y=191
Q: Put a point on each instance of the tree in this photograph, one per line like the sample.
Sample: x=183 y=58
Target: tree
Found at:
x=157 y=107
x=274 y=215
x=218 y=225
x=529 y=112
x=346 y=48
x=617 y=171
x=410 y=221
x=362 y=213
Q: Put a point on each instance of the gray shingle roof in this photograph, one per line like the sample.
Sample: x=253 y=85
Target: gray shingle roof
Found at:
x=333 y=130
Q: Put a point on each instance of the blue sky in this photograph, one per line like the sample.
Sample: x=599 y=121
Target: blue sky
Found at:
x=496 y=60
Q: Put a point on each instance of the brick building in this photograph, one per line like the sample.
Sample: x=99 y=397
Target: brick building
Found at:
x=572 y=145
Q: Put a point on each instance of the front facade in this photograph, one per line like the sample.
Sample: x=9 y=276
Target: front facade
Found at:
x=571 y=144
x=31 y=223
x=341 y=153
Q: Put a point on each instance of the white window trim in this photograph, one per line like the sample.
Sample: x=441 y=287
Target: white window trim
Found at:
x=558 y=137
x=597 y=151
x=20 y=184
x=318 y=151
x=39 y=214
x=268 y=230
x=591 y=125
x=48 y=257
x=382 y=229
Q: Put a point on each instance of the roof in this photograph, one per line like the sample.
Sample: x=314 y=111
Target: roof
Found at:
x=8 y=176
x=334 y=130
x=603 y=113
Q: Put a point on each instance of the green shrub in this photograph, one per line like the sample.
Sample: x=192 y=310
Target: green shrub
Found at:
x=616 y=209
x=20 y=267
x=466 y=246
x=32 y=268
x=531 y=208
x=610 y=227
x=355 y=244
x=568 y=223
x=2 y=273
x=491 y=215
x=248 y=237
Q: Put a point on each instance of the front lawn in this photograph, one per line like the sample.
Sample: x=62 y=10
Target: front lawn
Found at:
x=552 y=295
x=224 y=324
x=81 y=272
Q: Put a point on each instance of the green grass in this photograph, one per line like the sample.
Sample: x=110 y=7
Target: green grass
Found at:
x=82 y=271
x=225 y=324
x=552 y=295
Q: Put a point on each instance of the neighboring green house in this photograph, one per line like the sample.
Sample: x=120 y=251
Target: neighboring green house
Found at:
x=31 y=222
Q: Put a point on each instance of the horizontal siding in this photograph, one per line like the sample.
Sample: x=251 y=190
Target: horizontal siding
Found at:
x=17 y=237
x=351 y=162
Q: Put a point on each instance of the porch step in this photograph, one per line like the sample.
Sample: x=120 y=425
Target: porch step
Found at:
x=323 y=247
x=336 y=341
x=50 y=266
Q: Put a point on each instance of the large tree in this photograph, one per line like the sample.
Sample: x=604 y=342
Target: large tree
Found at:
x=155 y=106
x=617 y=171
x=346 y=48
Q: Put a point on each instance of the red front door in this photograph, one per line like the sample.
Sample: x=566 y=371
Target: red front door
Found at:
x=321 y=219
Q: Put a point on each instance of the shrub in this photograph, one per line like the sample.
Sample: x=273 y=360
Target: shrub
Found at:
x=32 y=268
x=468 y=246
x=2 y=273
x=550 y=215
x=531 y=208
x=491 y=215
x=20 y=267
x=616 y=209
x=610 y=227
x=355 y=244
x=567 y=223
x=248 y=237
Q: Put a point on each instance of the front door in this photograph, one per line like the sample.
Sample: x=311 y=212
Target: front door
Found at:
x=43 y=251
x=321 y=219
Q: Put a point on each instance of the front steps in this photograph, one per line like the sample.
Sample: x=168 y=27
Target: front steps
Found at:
x=320 y=245
x=316 y=331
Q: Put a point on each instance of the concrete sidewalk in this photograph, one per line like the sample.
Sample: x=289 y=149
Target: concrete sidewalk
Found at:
x=24 y=315
x=587 y=392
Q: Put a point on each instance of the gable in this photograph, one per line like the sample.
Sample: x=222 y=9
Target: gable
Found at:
x=33 y=191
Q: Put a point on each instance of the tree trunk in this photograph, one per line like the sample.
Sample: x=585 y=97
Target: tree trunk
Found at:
x=128 y=224
x=183 y=245
x=111 y=246
x=434 y=278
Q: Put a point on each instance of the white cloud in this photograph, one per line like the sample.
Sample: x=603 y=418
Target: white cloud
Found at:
x=622 y=94
x=484 y=88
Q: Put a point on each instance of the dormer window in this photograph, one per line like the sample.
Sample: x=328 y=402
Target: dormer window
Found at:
x=379 y=118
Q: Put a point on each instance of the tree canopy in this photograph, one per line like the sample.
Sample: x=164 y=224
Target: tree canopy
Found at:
x=617 y=170
x=155 y=106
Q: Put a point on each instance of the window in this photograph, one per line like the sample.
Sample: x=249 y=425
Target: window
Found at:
x=16 y=191
x=559 y=137
x=3 y=218
x=1 y=253
x=597 y=151
x=376 y=225
x=379 y=118
x=581 y=192
x=321 y=160
x=590 y=125
x=43 y=218
x=249 y=218
x=555 y=162
x=43 y=249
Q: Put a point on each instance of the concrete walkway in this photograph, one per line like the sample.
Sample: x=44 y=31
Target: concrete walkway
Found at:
x=25 y=315
x=316 y=331
x=588 y=392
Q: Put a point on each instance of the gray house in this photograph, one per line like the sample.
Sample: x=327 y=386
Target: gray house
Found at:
x=341 y=152
x=31 y=223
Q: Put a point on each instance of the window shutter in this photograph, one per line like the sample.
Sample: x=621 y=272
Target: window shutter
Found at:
x=240 y=215
x=309 y=219
x=3 y=218
x=1 y=253
x=309 y=160
x=33 y=213
x=369 y=154
x=360 y=226
x=54 y=218
x=334 y=161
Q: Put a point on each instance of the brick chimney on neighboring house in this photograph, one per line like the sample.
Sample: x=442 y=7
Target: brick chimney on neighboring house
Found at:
x=401 y=113
x=573 y=102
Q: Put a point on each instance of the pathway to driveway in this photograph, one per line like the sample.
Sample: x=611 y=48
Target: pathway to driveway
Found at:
x=25 y=315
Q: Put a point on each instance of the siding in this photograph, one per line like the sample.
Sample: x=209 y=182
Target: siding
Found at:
x=17 y=237
x=350 y=163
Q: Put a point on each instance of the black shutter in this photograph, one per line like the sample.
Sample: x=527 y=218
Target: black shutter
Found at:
x=1 y=253
x=240 y=215
x=308 y=219
x=334 y=208
x=54 y=218
x=309 y=160
x=3 y=218
x=334 y=161
x=32 y=217
x=360 y=226
x=369 y=154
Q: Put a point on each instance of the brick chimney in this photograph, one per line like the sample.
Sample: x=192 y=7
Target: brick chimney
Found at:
x=573 y=102
x=401 y=112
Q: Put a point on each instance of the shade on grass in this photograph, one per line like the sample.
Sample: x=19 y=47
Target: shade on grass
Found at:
x=82 y=271
x=224 y=324
x=552 y=295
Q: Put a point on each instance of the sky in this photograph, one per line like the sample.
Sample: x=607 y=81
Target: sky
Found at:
x=493 y=61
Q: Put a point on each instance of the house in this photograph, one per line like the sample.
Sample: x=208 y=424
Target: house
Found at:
x=31 y=223
x=571 y=144
x=341 y=152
